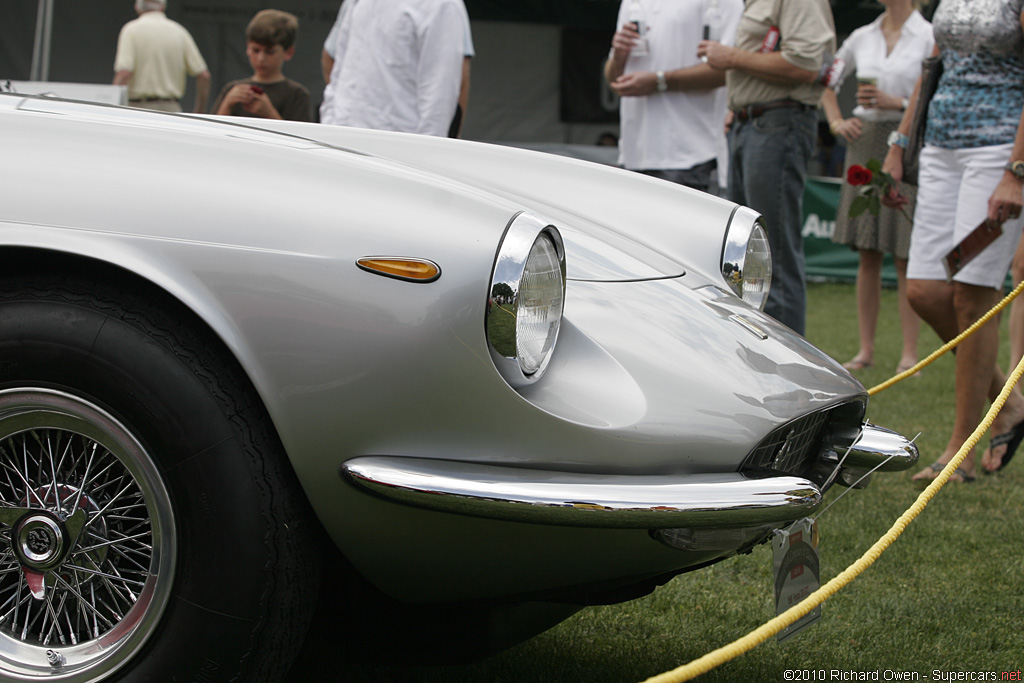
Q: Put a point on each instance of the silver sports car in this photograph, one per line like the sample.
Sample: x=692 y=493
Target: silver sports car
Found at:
x=248 y=369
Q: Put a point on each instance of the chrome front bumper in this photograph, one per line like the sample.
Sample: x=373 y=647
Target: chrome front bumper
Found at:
x=881 y=449
x=613 y=501
x=570 y=499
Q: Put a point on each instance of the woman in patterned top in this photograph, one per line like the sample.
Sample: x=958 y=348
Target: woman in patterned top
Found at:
x=972 y=175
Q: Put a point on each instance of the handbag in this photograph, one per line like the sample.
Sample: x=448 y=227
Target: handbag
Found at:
x=931 y=70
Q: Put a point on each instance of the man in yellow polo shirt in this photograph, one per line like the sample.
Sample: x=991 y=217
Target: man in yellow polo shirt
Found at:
x=154 y=54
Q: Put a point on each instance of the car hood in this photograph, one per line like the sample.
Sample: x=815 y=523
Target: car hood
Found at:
x=618 y=225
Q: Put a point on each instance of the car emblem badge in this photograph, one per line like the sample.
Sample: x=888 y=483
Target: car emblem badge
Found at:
x=40 y=540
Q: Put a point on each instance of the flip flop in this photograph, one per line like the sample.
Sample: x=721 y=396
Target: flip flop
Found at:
x=934 y=468
x=1011 y=440
x=967 y=479
x=937 y=467
x=855 y=364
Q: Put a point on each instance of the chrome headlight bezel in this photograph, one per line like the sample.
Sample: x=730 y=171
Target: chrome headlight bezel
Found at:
x=526 y=234
x=747 y=258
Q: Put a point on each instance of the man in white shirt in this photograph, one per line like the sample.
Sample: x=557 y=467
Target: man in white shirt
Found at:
x=153 y=56
x=396 y=65
x=673 y=106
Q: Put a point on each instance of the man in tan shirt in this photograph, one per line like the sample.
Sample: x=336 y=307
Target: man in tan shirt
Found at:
x=154 y=54
x=775 y=76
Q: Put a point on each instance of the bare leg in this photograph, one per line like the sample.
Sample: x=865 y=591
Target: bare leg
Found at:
x=1017 y=309
x=975 y=358
x=910 y=322
x=948 y=308
x=933 y=301
x=869 y=292
x=1010 y=415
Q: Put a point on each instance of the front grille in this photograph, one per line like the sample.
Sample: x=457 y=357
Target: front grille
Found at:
x=806 y=446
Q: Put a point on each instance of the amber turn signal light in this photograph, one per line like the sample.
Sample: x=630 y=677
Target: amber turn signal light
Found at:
x=402 y=268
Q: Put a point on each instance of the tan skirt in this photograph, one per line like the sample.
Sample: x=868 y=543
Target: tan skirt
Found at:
x=889 y=231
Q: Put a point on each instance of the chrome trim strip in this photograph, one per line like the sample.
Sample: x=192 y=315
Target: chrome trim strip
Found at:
x=883 y=448
x=749 y=326
x=588 y=500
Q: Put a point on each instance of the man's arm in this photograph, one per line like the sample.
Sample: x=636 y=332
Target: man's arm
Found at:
x=768 y=66
x=622 y=44
x=455 y=130
x=464 y=87
x=330 y=48
x=124 y=59
x=326 y=65
x=202 y=92
x=692 y=78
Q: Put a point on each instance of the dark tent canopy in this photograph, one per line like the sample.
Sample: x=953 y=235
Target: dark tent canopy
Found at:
x=536 y=75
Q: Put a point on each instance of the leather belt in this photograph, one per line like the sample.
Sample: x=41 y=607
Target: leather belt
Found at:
x=752 y=111
x=153 y=99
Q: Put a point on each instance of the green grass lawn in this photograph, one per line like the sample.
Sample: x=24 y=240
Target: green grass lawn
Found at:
x=948 y=595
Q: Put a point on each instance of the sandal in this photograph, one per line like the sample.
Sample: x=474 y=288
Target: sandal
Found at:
x=857 y=364
x=936 y=468
x=1011 y=440
x=964 y=477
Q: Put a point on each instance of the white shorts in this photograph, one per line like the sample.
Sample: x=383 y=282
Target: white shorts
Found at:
x=952 y=200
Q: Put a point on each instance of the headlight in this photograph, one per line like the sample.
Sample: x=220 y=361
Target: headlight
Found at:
x=747 y=258
x=525 y=299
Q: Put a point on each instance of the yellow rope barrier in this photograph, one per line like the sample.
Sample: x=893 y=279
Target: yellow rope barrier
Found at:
x=759 y=635
x=748 y=642
x=949 y=345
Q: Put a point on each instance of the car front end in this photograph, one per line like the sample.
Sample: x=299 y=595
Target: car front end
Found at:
x=496 y=377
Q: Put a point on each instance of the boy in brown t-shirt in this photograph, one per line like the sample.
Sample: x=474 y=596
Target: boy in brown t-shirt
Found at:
x=270 y=42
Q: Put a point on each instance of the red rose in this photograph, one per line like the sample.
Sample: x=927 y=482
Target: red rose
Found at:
x=858 y=175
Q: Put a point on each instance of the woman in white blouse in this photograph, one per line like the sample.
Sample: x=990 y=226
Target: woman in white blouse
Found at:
x=886 y=56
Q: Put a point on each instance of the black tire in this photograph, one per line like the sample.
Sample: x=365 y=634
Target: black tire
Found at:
x=88 y=367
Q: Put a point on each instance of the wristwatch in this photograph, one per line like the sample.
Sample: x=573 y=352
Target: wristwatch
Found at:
x=899 y=139
x=662 y=83
x=1017 y=169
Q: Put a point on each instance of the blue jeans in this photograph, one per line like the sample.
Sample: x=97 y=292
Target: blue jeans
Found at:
x=768 y=159
x=697 y=177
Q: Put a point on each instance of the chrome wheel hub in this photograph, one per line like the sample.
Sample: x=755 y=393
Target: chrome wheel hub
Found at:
x=39 y=541
x=86 y=539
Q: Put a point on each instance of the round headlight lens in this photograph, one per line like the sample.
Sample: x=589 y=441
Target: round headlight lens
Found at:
x=539 y=309
x=524 y=307
x=747 y=258
x=757 y=269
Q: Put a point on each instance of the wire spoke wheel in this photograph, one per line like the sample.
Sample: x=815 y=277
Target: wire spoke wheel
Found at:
x=87 y=545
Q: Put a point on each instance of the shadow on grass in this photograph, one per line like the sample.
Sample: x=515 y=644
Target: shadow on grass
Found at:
x=560 y=654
